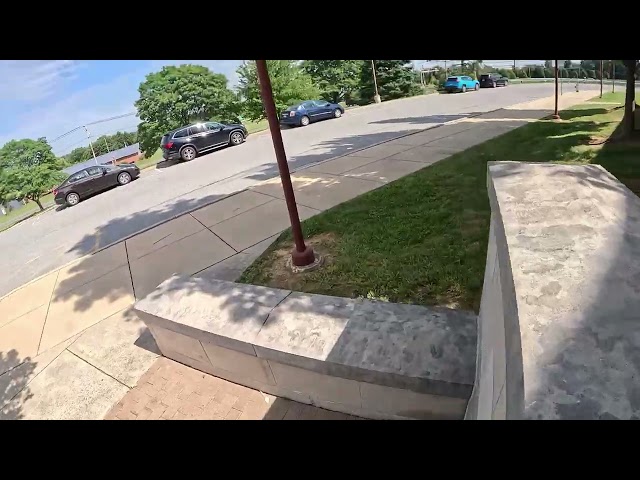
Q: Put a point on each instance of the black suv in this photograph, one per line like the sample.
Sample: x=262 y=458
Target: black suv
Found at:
x=493 y=80
x=186 y=143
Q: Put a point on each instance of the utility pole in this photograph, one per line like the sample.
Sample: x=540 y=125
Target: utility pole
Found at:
x=302 y=255
x=376 y=97
x=90 y=144
x=107 y=144
x=514 y=66
x=613 y=75
x=556 y=116
x=601 y=76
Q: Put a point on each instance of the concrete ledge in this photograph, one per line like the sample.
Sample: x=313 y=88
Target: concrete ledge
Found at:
x=372 y=359
x=559 y=323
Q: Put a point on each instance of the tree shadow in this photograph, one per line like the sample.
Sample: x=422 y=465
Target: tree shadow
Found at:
x=14 y=392
x=121 y=228
x=426 y=120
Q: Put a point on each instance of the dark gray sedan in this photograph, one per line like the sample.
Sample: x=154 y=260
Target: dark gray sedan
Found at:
x=92 y=180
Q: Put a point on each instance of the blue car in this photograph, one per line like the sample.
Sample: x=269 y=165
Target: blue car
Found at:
x=461 y=83
x=304 y=113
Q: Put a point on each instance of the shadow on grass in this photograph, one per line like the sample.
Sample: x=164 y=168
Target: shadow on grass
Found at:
x=420 y=219
x=14 y=391
x=423 y=238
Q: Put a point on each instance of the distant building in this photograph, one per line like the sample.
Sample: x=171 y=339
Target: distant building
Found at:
x=129 y=154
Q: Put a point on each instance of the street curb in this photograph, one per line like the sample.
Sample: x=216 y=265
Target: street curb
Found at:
x=141 y=231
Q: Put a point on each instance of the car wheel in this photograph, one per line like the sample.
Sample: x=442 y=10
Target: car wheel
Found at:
x=124 y=178
x=73 y=199
x=476 y=87
x=236 y=138
x=464 y=88
x=304 y=121
x=494 y=85
x=337 y=113
x=188 y=153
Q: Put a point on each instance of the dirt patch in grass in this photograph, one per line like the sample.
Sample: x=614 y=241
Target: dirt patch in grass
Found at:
x=275 y=272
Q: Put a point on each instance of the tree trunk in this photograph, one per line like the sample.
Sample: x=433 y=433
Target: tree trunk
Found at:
x=628 y=121
x=37 y=200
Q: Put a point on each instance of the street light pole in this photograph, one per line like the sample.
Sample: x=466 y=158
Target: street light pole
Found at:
x=90 y=144
x=302 y=255
x=556 y=116
x=613 y=76
x=376 y=97
x=601 y=76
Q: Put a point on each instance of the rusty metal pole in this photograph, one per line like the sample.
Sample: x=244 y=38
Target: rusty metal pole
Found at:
x=556 y=116
x=601 y=76
x=301 y=255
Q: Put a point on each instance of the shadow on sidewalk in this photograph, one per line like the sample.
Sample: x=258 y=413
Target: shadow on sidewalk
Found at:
x=426 y=120
x=13 y=384
x=561 y=137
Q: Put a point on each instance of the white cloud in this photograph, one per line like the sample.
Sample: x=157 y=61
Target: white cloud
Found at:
x=32 y=80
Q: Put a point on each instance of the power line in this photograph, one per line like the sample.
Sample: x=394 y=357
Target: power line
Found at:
x=93 y=123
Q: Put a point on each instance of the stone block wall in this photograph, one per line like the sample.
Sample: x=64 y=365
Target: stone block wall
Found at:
x=559 y=323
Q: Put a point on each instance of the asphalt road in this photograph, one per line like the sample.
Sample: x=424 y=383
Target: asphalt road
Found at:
x=37 y=246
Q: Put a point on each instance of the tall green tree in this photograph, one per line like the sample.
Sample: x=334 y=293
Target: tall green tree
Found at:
x=176 y=96
x=337 y=79
x=394 y=77
x=29 y=169
x=290 y=83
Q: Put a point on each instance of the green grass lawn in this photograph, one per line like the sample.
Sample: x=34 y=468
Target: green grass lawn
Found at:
x=423 y=239
x=19 y=214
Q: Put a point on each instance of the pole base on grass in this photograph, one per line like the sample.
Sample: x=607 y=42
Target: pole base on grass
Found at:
x=302 y=259
x=555 y=117
x=377 y=99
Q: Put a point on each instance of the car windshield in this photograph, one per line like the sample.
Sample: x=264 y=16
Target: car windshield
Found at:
x=452 y=79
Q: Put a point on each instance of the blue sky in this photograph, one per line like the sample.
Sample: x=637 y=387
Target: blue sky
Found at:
x=46 y=98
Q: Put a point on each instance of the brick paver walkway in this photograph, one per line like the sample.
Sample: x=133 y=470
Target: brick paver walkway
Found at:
x=172 y=391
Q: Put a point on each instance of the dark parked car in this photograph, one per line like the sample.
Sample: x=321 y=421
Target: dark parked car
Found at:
x=493 y=80
x=304 y=113
x=186 y=143
x=92 y=180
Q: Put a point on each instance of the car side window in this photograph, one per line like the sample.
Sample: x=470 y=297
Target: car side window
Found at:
x=309 y=105
x=321 y=103
x=196 y=129
x=181 y=133
x=94 y=171
x=213 y=126
x=78 y=176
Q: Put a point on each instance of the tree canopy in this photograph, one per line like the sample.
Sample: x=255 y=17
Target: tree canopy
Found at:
x=337 y=79
x=289 y=82
x=28 y=169
x=176 y=96
x=394 y=77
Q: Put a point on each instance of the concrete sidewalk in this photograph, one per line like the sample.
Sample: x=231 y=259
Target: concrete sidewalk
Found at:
x=71 y=348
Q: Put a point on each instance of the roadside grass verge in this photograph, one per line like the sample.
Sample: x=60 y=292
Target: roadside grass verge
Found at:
x=423 y=238
x=29 y=210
